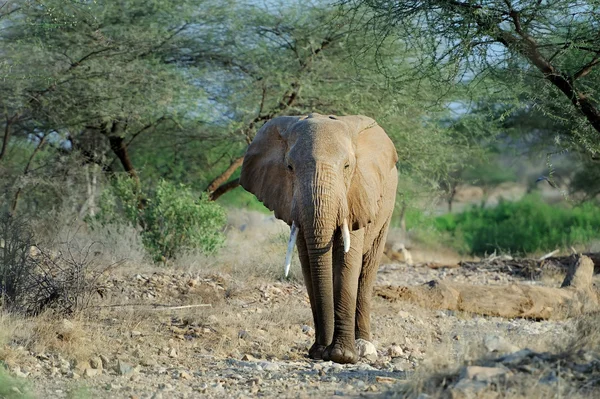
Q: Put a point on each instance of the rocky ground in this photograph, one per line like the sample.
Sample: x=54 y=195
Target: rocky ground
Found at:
x=228 y=326
x=176 y=335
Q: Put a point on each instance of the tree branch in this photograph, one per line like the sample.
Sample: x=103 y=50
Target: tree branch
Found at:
x=224 y=188
x=587 y=68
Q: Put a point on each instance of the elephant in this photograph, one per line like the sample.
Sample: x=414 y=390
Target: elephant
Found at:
x=333 y=179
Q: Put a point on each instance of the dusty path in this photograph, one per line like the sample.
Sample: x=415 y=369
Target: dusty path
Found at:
x=251 y=341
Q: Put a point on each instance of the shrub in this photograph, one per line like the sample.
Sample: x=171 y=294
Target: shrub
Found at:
x=16 y=239
x=34 y=279
x=171 y=218
x=526 y=226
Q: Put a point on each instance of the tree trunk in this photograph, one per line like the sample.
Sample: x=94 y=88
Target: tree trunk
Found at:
x=15 y=203
x=223 y=177
x=575 y=297
x=7 y=126
x=117 y=145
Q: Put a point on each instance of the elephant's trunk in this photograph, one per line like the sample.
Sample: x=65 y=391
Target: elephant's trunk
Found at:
x=319 y=209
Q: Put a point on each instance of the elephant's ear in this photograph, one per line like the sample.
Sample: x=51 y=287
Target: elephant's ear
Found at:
x=375 y=157
x=264 y=172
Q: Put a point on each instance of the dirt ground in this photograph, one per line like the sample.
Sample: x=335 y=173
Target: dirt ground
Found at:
x=228 y=326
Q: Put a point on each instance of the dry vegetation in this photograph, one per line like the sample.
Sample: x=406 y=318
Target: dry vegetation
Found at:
x=228 y=326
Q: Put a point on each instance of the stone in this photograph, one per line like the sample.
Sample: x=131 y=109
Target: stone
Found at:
x=468 y=389
x=89 y=372
x=248 y=357
x=148 y=362
x=123 y=368
x=496 y=343
x=19 y=373
x=172 y=352
x=395 y=351
x=73 y=375
x=308 y=330
x=366 y=350
x=486 y=374
x=16 y=390
x=135 y=333
x=517 y=357
x=269 y=366
x=66 y=325
x=184 y=375
x=96 y=363
x=105 y=362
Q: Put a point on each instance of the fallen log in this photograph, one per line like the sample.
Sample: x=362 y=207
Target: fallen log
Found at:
x=576 y=296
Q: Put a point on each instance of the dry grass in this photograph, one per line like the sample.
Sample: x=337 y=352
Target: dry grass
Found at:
x=72 y=339
x=255 y=248
x=569 y=369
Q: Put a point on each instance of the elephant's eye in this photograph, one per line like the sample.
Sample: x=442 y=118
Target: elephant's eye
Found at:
x=290 y=167
x=346 y=166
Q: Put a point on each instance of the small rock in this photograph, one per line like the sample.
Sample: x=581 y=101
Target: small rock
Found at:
x=395 y=351
x=404 y=314
x=123 y=368
x=16 y=390
x=183 y=375
x=148 y=362
x=496 y=343
x=467 y=389
x=73 y=375
x=308 y=330
x=88 y=373
x=218 y=388
x=248 y=357
x=172 y=352
x=18 y=373
x=254 y=381
x=67 y=325
x=135 y=333
x=269 y=366
x=517 y=357
x=243 y=334
x=105 y=362
x=96 y=363
x=366 y=350
x=479 y=373
x=386 y=380
x=165 y=386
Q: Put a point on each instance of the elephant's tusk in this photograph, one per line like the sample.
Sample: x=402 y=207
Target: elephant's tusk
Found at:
x=346 y=235
x=290 y=248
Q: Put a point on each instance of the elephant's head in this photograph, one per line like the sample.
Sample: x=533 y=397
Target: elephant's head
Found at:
x=320 y=173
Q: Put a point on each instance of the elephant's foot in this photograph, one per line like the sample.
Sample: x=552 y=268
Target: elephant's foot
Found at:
x=339 y=353
x=316 y=351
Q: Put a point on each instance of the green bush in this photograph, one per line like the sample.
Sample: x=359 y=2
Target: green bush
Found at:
x=522 y=227
x=171 y=217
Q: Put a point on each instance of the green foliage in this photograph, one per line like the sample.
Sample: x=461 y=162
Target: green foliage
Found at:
x=240 y=198
x=526 y=226
x=171 y=217
x=8 y=383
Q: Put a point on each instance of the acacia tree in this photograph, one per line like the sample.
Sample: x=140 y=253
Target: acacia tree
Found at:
x=555 y=42
x=177 y=89
x=89 y=78
x=299 y=58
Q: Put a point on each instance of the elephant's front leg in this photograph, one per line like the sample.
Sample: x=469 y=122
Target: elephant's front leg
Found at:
x=346 y=271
